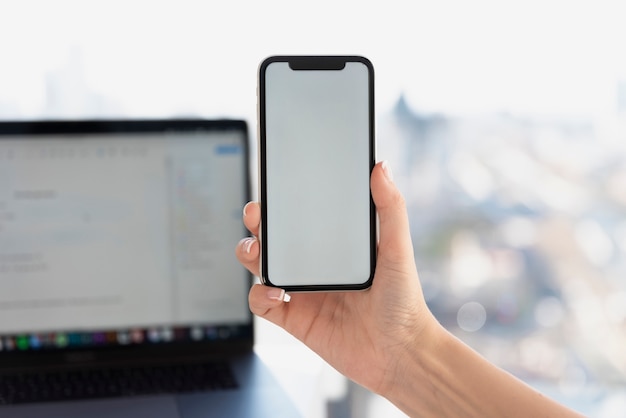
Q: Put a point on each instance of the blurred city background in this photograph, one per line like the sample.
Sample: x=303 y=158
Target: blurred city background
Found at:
x=504 y=122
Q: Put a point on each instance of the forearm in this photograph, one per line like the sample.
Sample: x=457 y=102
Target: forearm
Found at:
x=448 y=379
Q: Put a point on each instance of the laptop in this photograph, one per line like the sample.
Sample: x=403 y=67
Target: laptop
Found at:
x=120 y=294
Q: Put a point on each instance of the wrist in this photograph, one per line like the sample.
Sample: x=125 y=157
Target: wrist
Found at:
x=413 y=365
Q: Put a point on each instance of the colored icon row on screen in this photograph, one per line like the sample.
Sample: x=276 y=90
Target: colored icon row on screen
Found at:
x=123 y=337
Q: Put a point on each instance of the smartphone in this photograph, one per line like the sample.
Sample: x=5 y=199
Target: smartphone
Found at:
x=316 y=154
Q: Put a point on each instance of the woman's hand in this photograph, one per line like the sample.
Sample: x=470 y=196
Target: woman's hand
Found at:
x=360 y=333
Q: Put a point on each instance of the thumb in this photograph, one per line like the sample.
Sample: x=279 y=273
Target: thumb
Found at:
x=395 y=236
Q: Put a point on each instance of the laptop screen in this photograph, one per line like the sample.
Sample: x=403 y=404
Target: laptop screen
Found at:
x=120 y=233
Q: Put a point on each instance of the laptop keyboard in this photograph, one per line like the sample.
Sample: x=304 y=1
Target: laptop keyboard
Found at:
x=105 y=383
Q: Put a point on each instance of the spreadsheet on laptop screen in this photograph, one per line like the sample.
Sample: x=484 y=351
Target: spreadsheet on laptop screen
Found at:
x=102 y=231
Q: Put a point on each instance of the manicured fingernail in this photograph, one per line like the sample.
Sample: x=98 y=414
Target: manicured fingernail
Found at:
x=275 y=293
x=245 y=208
x=246 y=243
x=387 y=170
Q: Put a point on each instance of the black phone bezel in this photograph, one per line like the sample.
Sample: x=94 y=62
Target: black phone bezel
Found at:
x=304 y=63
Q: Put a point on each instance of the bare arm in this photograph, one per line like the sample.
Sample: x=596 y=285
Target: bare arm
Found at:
x=446 y=378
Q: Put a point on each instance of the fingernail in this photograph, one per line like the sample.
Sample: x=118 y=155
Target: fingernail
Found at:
x=387 y=170
x=245 y=208
x=275 y=293
x=246 y=243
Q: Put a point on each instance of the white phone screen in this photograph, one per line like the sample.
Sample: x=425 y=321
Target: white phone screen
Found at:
x=318 y=159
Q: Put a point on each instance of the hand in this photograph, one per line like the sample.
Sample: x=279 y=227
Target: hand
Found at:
x=362 y=333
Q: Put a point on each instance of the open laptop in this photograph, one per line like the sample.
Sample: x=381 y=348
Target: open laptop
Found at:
x=120 y=294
